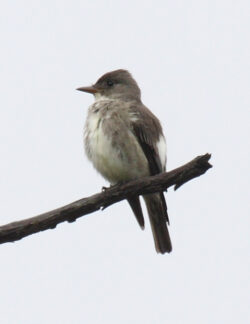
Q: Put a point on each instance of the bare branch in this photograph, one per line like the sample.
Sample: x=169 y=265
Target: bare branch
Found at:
x=177 y=177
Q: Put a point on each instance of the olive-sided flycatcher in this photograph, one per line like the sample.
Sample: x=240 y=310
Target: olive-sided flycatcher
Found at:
x=124 y=141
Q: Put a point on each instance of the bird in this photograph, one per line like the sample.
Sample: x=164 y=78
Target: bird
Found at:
x=124 y=141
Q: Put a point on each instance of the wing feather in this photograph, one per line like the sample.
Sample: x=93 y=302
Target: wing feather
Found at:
x=147 y=130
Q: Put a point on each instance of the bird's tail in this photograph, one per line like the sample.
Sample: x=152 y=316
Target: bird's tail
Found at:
x=135 y=204
x=157 y=212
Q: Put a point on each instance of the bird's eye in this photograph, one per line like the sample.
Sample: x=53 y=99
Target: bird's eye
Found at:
x=110 y=83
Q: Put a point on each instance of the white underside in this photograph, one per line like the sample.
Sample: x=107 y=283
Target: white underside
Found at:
x=117 y=165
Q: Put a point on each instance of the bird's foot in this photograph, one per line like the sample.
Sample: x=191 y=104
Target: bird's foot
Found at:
x=105 y=188
x=104 y=207
x=111 y=186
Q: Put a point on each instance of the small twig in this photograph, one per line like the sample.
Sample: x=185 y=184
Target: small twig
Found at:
x=17 y=230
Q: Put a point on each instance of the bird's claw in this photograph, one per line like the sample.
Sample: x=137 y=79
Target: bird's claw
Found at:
x=104 y=207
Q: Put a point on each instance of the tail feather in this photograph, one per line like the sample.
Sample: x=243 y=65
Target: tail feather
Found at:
x=158 y=216
x=135 y=204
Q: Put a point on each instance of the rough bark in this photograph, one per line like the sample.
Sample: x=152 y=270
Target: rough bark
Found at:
x=17 y=230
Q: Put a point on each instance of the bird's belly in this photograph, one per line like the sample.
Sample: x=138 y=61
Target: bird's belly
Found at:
x=117 y=163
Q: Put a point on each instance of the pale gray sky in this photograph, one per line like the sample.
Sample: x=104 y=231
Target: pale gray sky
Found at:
x=191 y=60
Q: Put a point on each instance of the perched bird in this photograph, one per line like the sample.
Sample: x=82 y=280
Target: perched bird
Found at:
x=124 y=141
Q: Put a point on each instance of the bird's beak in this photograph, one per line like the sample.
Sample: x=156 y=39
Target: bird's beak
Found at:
x=90 y=89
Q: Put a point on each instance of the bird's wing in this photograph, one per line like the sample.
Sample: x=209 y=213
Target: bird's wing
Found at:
x=147 y=130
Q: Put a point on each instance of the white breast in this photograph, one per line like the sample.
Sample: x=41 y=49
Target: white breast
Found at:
x=116 y=163
x=95 y=141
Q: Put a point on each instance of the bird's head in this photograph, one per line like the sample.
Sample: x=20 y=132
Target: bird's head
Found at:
x=118 y=84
